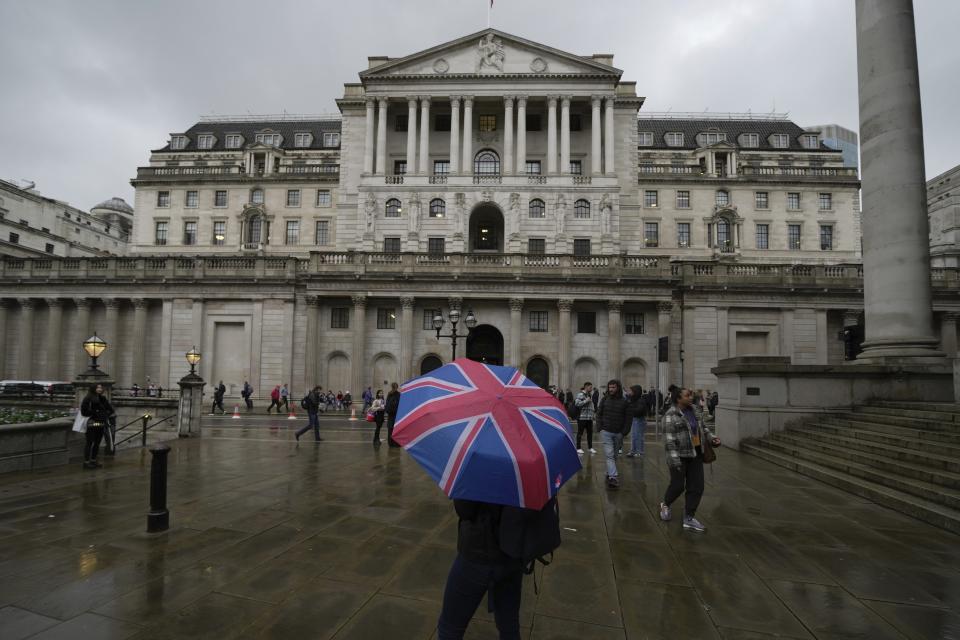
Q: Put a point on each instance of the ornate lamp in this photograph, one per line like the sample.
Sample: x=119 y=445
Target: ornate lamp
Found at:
x=94 y=346
x=193 y=357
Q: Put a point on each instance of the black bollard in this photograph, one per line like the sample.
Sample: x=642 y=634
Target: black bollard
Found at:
x=159 y=518
x=143 y=429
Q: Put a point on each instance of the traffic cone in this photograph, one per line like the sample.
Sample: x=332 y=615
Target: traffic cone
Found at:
x=292 y=416
x=353 y=414
x=236 y=412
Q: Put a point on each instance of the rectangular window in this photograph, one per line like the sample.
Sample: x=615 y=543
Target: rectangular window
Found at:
x=722 y=198
x=331 y=139
x=441 y=167
x=323 y=198
x=428 y=316
x=163 y=199
x=651 y=234
x=293 y=197
x=436 y=245
x=763 y=236
x=534 y=122
x=576 y=122
x=219 y=232
x=750 y=140
x=205 y=142
x=14 y=238
x=761 y=200
x=49 y=248
x=487 y=122
x=268 y=138
x=633 y=323
x=441 y=122
x=826 y=237
x=811 y=141
x=256 y=196
x=651 y=199
x=340 y=318
x=645 y=139
x=536 y=246
x=293 y=232
x=674 y=139
x=302 y=139
x=399 y=167
x=539 y=321
x=533 y=167
x=576 y=167
x=683 y=234
x=391 y=244
x=178 y=142
x=323 y=232
x=826 y=202
x=793 y=237
x=780 y=140
x=220 y=198
x=160 y=233
x=400 y=123
x=586 y=322
x=581 y=246
x=193 y=199
x=233 y=141
x=386 y=318
x=683 y=199
x=793 y=201
x=190 y=232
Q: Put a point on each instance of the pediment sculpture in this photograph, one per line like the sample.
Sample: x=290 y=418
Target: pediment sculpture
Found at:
x=490 y=53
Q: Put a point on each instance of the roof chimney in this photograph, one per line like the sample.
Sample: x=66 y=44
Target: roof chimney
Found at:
x=376 y=61
x=603 y=58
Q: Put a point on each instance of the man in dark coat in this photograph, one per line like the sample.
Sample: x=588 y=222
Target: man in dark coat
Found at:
x=613 y=420
x=391 y=408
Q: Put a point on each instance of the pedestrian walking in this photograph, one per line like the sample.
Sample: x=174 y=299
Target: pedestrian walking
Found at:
x=378 y=406
x=218 y=394
x=274 y=399
x=311 y=403
x=98 y=409
x=684 y=433
x=613 y=420
x=284 y=398
x=246 y=393
x=391 y=406
x=637 y=406
x=585 y=414
x=367 y=399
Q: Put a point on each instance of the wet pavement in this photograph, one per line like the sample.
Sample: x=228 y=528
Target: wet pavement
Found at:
x=274 y=539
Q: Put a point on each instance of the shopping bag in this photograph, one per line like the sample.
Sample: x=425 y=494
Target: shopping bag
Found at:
x=80 y=423
x=370 y=416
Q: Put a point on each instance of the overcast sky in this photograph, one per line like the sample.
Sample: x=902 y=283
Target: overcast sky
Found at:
x=89 y=87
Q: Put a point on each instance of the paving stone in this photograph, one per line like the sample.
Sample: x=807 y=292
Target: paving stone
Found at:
x=830 y=611
x=919 y=623
x=89 y=625
x=664 y=612
x=16 y=623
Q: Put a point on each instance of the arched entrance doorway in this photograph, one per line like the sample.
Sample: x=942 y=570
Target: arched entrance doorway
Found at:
x=430 y=363
x=486 y=229
x=539 y=372
x=485 y=344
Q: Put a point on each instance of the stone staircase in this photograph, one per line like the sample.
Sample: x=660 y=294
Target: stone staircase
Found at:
x=902 y=455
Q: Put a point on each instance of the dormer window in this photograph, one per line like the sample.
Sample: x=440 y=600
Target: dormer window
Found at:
x=302 y=140
x=674 y=139
x=178 y=142
x=205 y=142
x=750 y=140
x=710 y=137
x=780 y=141
x=811 y=141
x=331 y=139
x=268 y=138
x=233 y=141
x=645 y=139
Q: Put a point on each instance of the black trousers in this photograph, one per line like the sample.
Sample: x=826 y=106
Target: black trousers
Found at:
x=91 y=446
x=274 y=403
x=585 y=425
x=216 y=404
x=390 y=440
x=689 y=475
x=378 y=418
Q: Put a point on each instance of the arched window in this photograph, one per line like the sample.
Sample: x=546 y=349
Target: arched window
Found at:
x=537 y=208
x=724 y=241
x=538 y=371
x=393 y=208
x=581 y=209
x=438 y=208
x=256 y=196
x=722 y=198
x=429 y=364
x=486 y=163
x=254 y=229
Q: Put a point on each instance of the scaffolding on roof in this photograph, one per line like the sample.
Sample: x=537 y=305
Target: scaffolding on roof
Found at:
x=273 y=117
x=709 y=115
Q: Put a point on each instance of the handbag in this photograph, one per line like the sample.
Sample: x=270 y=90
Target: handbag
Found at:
x=370 y=416
x=709 y=453
x=80 y=423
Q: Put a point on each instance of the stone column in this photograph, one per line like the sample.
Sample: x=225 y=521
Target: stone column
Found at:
x=81 y=331
x=198 y=320
x=552 y=135
x=786 y=333
x=613 y=337
x=3 y=337
x=896 y=254
x=723 y=333
x=823 y=340
x=27 y=320
x=406 y=337
x=507 y=135
x=563 y=358
x=948 y=333
x=454 y=138
x=310 y=352
x=359 y=356
x=609 y=142
x=467 y=165
x=54 y=325
x=424 y=136
x=565 y=135
x=382 y=137
x=521 y=135
x=111 y=337
x=516 y=328
x=139 y=337
x=664 y=328
x=368 y=141
x=595 y=167
x=411 y=134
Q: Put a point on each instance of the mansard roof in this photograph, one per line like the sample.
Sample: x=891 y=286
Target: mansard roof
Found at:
x=249 y=128
x=733 y=128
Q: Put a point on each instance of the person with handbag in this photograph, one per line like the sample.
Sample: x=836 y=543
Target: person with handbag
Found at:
x=377 y=407
x=98 y=410
x=687 y=442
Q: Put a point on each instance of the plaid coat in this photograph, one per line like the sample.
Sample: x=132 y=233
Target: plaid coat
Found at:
x=677 y=441
x=585 y=403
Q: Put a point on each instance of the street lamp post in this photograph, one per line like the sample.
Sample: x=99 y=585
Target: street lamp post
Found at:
x=94 y=346
x=469 y=320
x=191 y=398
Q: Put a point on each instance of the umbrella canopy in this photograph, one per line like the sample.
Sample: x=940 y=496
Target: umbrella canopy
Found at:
x=487 y=433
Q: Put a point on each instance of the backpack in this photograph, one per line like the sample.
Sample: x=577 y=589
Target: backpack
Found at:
x=303 y=403
x=529 y=535
x=573 y=411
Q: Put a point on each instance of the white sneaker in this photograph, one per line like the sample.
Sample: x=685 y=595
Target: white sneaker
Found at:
x=665 y=513
x=592 y=450
x=580 y=451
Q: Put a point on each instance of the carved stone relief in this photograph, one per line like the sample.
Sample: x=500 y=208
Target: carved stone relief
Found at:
x=490 y=53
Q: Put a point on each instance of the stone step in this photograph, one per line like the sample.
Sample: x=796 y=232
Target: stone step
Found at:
x=902 y=421
x=905 y=503
x=943 y=417
x=925 y=490
x=892 y=429
x=946 y=407
x=896 y=440
x=897 y=450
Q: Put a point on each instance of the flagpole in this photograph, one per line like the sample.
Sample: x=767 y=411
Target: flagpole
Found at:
x=488 y=13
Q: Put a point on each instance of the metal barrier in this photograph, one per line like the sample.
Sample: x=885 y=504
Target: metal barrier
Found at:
x=143 y=429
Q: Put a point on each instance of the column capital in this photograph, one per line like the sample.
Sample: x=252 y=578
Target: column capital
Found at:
x=424 y=101
x=358 y=300
x=455 y=302
x=140 y=303
x=53 y=302
x=610 y=99
x=455 y=100
x=565 y=304
x=382 y=101
x=521 y=101
x=552 y=101
x=4 y=304
x=407 y=302
x=371 y=102
x=565 y=101
x=412 y=101
x=82 y=303
x=951 y=316
x=614 y=305
x=508 y=101
x=595 y=99
x=665 y=307
x=313 y=301
x=516 y=304
x=468 y=101
x=27 y=303
x=111 y=303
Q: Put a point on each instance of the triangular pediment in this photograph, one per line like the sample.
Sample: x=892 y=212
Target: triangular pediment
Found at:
x=489 y=52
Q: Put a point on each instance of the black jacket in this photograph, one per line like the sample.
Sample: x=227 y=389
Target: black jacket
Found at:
x=393 y=403
x=478 y=533
x=612 y=414
x=98 y=409
x=637 y=403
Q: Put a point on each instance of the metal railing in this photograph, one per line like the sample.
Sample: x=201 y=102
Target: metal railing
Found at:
x=144 y=428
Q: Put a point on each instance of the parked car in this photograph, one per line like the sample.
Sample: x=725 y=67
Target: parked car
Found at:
x=21 y=388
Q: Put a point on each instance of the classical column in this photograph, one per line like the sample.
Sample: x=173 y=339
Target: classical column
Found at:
x=425 y=135
x=595 y=167
x=3 y=337
x=507 y=135
x=723 y=333
x=310 y=353
x=54 y=325
x=521 y=135
x=823 y=340
x=664 y=328
x=552 y=135
x=786 y=333
x=25 y=368
x=81 y=331
x=411 y=134
x=948 y=333
x=359 y=356
x=563 y=358
x=613 y=337
x=382 y=137
x=896 y=253
x=516 y=328
x=565 y=135
x=139 y=337
x=608 y=137
x=111 y=336
x=368 y=141
x=406 y=337
x=454 y=138
x=467 y=165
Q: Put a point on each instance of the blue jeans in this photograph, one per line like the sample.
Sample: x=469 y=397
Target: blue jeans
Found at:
x=312 y=423
x=637 y=432
x=466 y=584
x=611 y=443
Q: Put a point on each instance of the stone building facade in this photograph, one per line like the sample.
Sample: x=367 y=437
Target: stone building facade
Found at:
x=943 y=212
x=490 y=173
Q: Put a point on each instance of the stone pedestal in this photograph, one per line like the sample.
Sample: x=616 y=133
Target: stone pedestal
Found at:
x=191 y=405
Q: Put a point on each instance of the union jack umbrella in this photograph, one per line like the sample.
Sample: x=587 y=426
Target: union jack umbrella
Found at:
x=487 y=433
